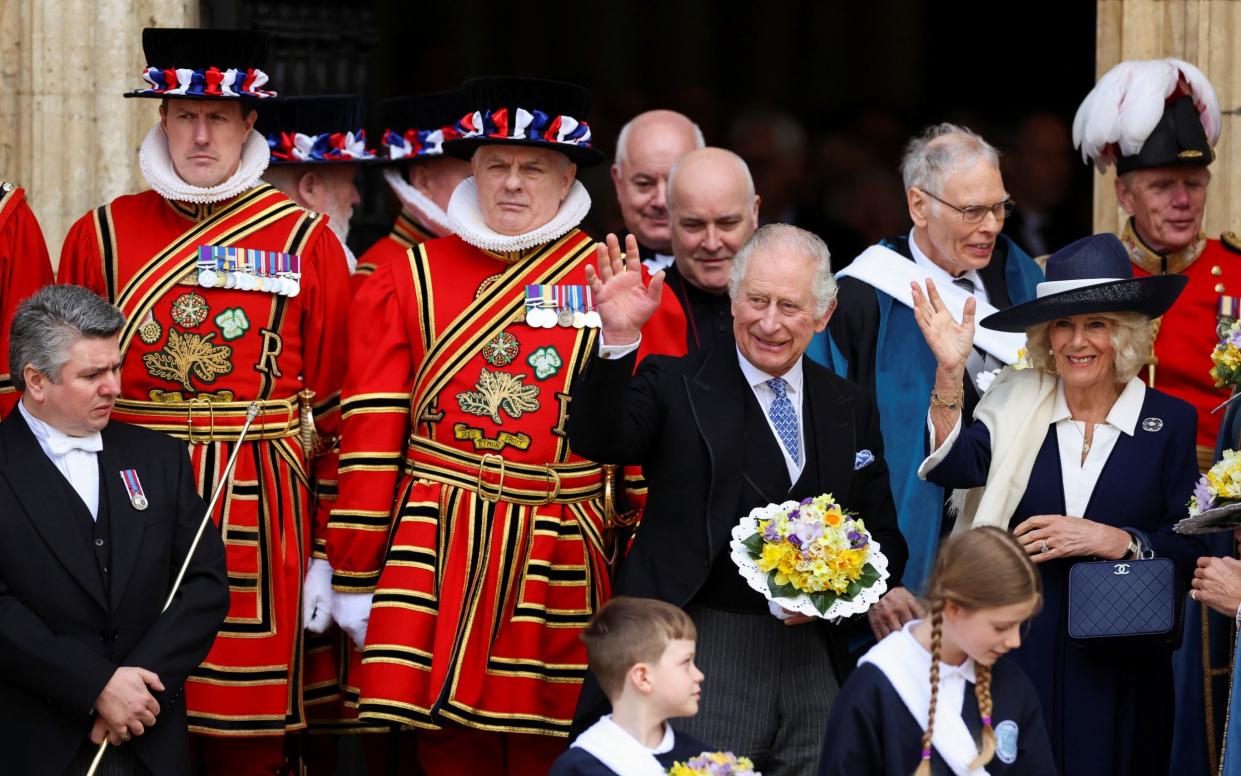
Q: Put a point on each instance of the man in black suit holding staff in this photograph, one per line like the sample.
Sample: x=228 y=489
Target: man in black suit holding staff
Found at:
x=95 y=522
x=719 y=433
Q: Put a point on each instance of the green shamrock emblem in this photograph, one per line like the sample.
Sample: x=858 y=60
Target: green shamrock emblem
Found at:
x=233 y=323
x=546 y=362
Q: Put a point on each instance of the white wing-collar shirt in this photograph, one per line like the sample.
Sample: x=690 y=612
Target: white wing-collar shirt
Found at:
x=75 y=457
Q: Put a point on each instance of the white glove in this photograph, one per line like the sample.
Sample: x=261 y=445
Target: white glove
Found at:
x=353 y=612
x=317 y=596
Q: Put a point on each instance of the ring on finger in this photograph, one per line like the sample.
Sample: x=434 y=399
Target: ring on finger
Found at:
x=1043 y=547
x=124 y=735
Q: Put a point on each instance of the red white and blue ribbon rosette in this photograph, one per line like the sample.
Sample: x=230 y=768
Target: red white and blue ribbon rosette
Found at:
x=417 y=143
x=205 y=82
x=326 y=147
x=522 y=124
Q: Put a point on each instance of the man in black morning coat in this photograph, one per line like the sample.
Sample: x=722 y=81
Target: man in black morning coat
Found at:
x=718 y=434
x=95 y=521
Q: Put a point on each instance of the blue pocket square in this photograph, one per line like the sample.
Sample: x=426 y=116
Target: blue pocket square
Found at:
x=863 y=459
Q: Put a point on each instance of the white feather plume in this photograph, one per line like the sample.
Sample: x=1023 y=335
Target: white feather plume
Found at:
x=1128 y=101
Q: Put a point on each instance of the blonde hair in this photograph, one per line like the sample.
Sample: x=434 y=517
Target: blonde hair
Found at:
x=980 y=569
x=1132 y=335
x=627 y=631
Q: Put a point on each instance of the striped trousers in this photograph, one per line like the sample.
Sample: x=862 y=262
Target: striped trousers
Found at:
x=767 y=690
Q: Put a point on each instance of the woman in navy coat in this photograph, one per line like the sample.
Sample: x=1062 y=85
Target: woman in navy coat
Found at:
x=1081 y=461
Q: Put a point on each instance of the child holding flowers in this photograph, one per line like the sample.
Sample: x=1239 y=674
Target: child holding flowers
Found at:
x=642 y=652
x=932 y=698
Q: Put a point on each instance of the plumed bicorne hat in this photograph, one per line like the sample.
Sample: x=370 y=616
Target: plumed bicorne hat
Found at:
x=525 y=111
x=417 y=127
x=318 y=130
x=1090 y=275
x=195 y=64
x=1148 y=113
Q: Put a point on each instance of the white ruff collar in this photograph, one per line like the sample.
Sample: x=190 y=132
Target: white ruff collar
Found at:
x=157 y=168
x=425 y=212
x=465 y=217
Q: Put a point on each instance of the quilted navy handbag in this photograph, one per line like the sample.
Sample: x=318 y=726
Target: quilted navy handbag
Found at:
x=1125 y=605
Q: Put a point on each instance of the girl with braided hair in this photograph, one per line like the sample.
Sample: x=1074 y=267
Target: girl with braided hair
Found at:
x=935 y=698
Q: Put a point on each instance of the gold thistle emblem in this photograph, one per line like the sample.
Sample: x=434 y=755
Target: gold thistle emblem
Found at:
x=187 y=355
x=499 y=391
x=189 y=310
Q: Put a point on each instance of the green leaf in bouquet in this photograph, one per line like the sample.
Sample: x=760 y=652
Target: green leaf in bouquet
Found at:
x=852 y=590
x=754 y=545
x=822 y=601
x=870 y=575
x=780 y=590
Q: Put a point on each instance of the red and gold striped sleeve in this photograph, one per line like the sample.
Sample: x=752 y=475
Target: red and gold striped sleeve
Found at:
x=375 y=412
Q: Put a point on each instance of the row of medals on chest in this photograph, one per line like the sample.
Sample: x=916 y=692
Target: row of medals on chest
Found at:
x=249 y=269
x=568 y=306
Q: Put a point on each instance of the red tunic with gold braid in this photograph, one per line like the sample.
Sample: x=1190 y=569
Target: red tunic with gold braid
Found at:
x=493 y=557
x=24 y=269
x=406 y=233
x=194 y=358
x=1186 y=334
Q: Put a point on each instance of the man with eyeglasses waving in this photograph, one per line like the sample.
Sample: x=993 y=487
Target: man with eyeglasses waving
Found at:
x=958 y=203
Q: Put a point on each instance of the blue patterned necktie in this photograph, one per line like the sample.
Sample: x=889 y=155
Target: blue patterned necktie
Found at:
x=783 y=418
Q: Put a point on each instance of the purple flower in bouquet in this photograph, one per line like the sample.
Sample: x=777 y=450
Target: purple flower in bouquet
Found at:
x=771 y=533
x=857 y=540
x=807 y=531
x=1202 y=493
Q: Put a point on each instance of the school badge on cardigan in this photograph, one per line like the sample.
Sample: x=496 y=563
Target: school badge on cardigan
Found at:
x=133 y=486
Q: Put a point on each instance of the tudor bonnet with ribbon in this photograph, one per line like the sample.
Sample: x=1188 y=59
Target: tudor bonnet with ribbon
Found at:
x=317 y=130
x=201 y=64
x=525 y=111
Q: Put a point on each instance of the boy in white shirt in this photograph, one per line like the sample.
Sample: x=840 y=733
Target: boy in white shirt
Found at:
x=642 y=652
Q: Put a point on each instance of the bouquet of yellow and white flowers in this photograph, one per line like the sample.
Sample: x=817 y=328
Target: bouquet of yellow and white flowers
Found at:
x=1216 y=501
x=810 y=557
x=1220 y=486
x=1226 y=358
x=715 y=764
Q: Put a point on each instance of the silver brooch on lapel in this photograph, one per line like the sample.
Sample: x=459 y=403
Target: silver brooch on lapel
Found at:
x=133 y=486
x=1152 y=424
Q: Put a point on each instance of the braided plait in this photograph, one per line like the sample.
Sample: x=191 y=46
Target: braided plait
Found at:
x=982 y=691
x=937 y=627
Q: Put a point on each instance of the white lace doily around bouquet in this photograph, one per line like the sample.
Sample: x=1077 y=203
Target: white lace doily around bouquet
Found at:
x=802 y=604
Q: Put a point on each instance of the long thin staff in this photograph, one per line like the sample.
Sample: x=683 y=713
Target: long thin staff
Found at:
x=252 y=412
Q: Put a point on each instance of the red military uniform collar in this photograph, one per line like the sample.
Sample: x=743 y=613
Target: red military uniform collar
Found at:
x=1159 y=263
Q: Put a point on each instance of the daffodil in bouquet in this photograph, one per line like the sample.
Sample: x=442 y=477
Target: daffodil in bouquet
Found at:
x=811 y=557
x=1226 y=358
x=714 y=764
x=1220 y=486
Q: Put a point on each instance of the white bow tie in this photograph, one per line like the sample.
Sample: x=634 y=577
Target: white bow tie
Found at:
x=63 y=443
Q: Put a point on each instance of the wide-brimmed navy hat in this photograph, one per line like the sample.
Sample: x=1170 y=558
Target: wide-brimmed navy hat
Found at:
x=321 y=130
x=417 y=127
x=525 y=111
x=1091 y=275
x=194 y=64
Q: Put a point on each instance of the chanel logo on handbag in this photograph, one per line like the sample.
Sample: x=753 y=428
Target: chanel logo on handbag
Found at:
x=1124 y=605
